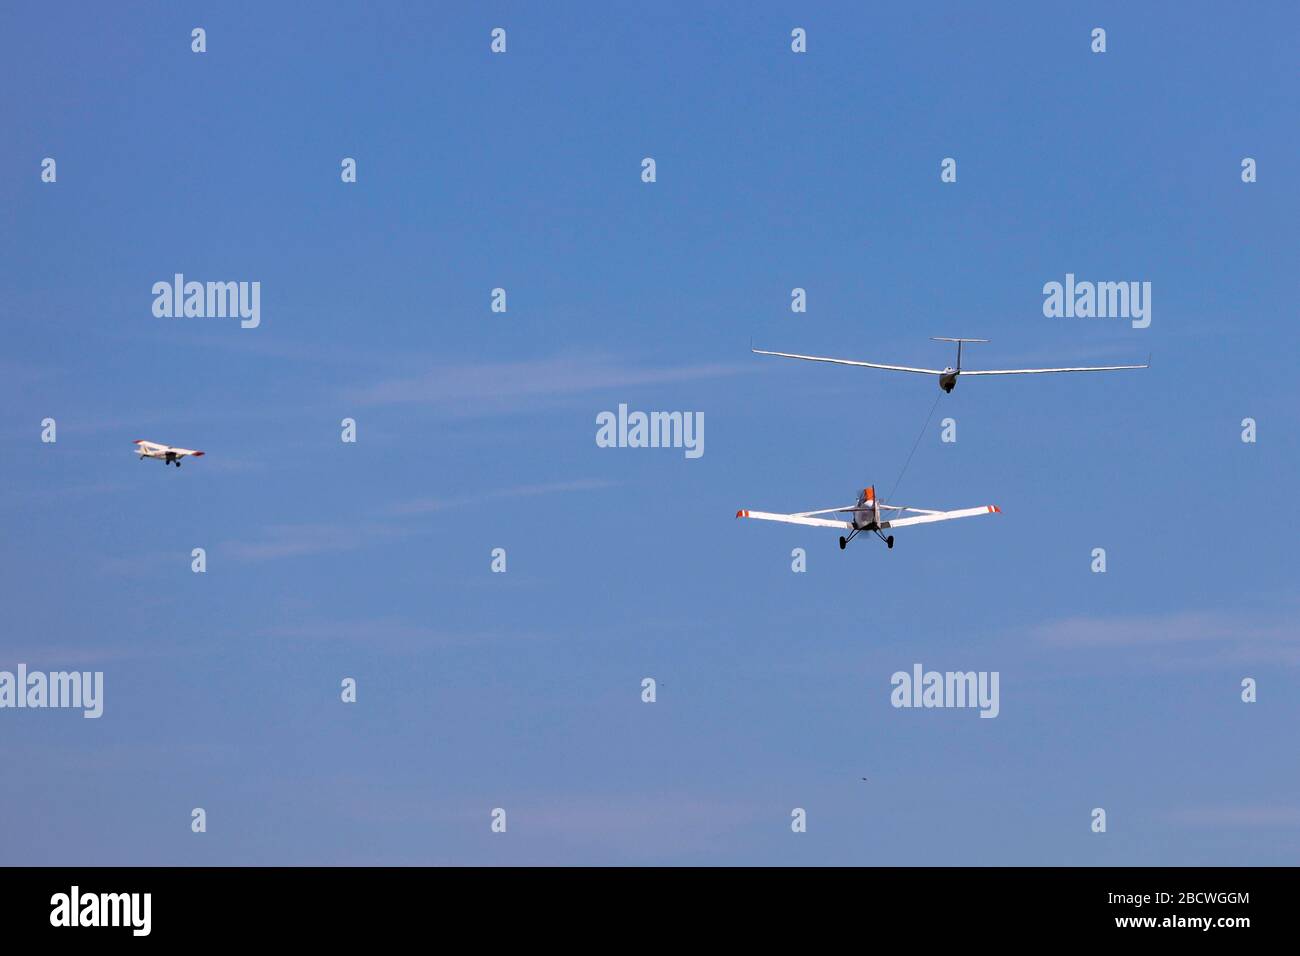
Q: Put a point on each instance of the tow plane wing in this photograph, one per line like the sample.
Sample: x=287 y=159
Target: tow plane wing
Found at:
x=927 y=517
x=805 y=519
x=868 y=515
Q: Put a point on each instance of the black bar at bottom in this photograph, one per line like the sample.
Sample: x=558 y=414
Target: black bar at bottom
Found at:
x=196 y=905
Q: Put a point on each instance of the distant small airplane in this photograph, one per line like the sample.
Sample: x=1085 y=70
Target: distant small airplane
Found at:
x=866 y=517
x=948 y=375
x=164 y=453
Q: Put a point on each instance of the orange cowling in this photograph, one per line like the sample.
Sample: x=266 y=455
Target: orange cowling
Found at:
x=869 y=494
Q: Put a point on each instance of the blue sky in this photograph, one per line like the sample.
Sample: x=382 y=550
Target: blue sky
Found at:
x=477 y=430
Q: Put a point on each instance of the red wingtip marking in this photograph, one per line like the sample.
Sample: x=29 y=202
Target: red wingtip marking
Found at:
x=995 y=508
x=199 y=454
x=138 y=441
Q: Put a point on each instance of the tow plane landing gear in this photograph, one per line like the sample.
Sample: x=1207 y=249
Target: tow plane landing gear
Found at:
x=889 y=540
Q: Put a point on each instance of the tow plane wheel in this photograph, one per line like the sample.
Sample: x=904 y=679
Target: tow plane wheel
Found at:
x=889 y=542
x=843 y=543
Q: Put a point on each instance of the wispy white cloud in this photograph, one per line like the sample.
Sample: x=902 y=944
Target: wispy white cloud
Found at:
x=68 y=656
x=427 y=505
x=1183 y=637
x=1179 y=627
x=85 y=490
x=301 y=540
x=223 y=463
x=390 y=634
x=140 y=563
x=497 y=387
x=1239 y=816
x=636 y=827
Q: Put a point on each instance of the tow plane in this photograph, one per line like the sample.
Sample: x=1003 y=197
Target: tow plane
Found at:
x=869 y=514
x=164 y=453
x=949 y=374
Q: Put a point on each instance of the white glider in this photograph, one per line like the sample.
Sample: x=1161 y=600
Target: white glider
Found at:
x=948 y=375
x=164 y=453
x=865 y=515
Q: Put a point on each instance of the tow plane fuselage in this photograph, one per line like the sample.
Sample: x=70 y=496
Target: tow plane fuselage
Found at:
x=868 y=514
x=167 y=454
